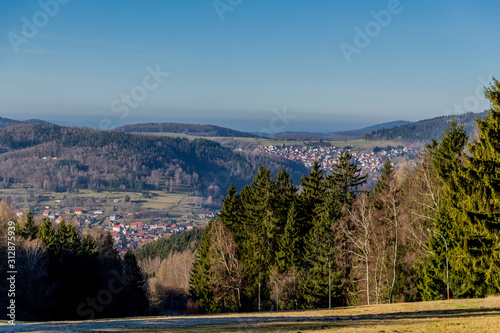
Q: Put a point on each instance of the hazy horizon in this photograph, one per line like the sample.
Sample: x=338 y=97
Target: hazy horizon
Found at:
x=331 y=66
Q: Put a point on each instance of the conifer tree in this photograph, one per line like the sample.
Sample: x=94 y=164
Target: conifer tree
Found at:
x=447 y=162
x=29 y=229
x=346 y=178
x=89 y=247
x=136 y=299
x=320 y=247
x=311 y=198
x=46 y=234
x=480 y=215
x=260 y=223
x=199 y=281
x=290 y=246
x=385 y=175
x=230 y=213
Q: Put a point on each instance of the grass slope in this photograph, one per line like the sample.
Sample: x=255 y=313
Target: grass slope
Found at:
x=472 y=315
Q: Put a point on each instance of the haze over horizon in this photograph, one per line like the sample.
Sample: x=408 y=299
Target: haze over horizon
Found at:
x=240 y=64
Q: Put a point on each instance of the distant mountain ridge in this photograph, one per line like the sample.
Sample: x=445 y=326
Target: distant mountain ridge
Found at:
x=338 y=135
x=424 y=131
x=4 y=122
x=187 y=129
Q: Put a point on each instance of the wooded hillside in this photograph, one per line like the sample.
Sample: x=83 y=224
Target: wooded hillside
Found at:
x=62 y=158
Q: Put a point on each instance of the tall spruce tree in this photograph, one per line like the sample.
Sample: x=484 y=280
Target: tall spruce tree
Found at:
x=290 y=244
x=230 y=213
x=29 y=228
x=260 y=224
x=320 y=247
x=46 y=233
x=447 y=158
x=136 y=299
x=311 y=198
x=199 y=281
x=346 y=178
x=481 y=208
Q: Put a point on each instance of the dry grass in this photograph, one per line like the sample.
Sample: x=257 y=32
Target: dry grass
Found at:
x=474 y=315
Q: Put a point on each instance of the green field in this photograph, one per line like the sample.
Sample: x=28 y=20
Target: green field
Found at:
x=176 y=204
x=354 y=144
x=472 y=315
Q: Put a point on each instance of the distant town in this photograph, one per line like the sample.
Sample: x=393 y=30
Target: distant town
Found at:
x=327 y=156
x=126 y=234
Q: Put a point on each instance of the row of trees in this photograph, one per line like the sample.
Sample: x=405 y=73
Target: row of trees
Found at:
x=274 y=235
x=270 y=234
x=468 y=212
x=62 y=275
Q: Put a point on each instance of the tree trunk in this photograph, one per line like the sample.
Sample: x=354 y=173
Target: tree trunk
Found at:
x=259 y=298
x=367 y=282
x=395 y=253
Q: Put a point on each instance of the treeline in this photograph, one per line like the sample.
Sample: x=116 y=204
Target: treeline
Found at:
x=62 y=275
x=424 y=131
x=164 y=247
x=188 y=129
x=96 y=159
x=383 y=245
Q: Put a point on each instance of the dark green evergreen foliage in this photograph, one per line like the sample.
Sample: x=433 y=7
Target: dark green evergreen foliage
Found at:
x=312 y=196
x=165 y=246
x=446 y=159
x=281 y=234
x=346 y=178
x=189 y=129
x=199 y=280
x=71 y=271
x=64 y=276
x=136 y=300
x=29 y=229
x=46 y=233
x=424 y=130
x=468 y=216
x=290 y=250
x=321 y=246
x=230 y=212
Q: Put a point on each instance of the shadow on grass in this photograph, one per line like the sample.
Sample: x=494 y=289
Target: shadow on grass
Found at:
x=250 y=323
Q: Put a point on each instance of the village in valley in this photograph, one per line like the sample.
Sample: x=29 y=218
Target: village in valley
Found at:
x=131 y=227
x=126 y=231
x=327 y=156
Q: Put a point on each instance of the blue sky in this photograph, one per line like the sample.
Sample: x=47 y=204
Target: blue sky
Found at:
x=244 y=63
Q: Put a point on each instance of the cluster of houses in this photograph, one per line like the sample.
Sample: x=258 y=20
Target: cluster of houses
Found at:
x=328 y=156
x=132 y=235
x=126 y=234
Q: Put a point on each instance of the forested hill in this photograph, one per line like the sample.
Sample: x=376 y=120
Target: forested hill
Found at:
x=188 y=129
x=425 y=130
x=63 y=158
x=4 y=122
x=165 y=246
x=338 y=135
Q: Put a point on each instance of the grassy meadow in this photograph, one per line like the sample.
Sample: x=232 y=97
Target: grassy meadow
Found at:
x=470 y=315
